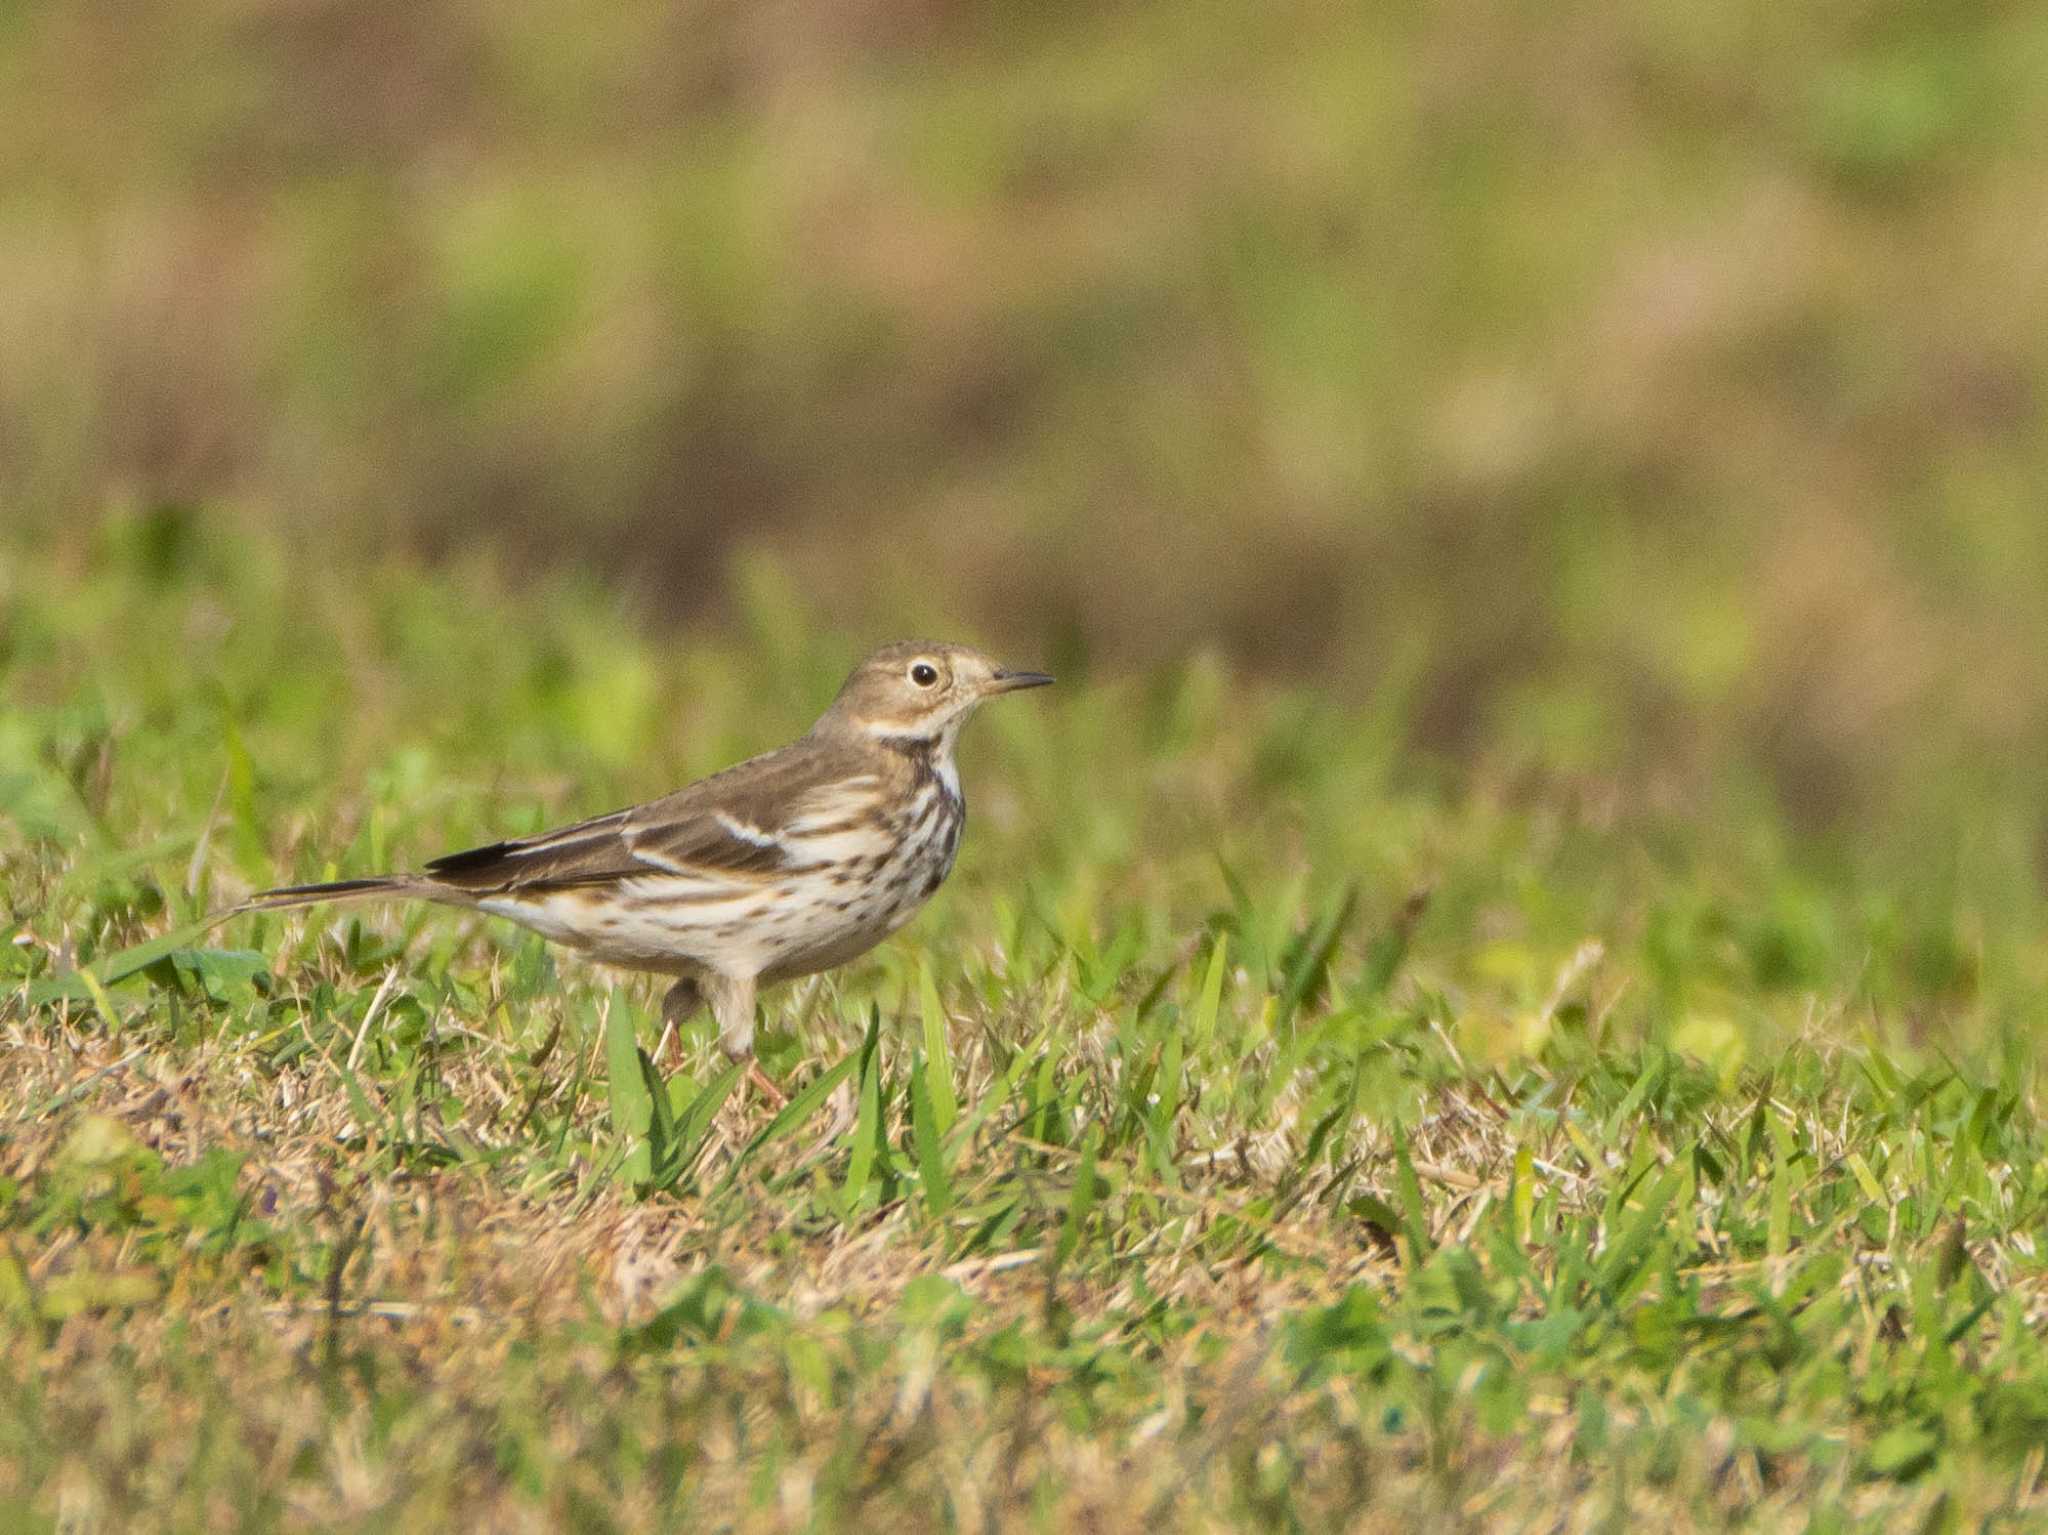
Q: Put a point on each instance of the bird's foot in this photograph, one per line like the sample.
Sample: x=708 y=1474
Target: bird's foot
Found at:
x=766 y=1084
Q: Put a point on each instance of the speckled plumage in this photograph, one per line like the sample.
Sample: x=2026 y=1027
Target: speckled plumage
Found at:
x=784 y=865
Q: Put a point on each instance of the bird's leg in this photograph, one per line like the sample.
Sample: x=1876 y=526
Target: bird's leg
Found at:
x=766 y=1083
x=732 y=1003
x=683 y=999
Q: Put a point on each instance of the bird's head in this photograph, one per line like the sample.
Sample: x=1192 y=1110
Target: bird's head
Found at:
x=921 y=690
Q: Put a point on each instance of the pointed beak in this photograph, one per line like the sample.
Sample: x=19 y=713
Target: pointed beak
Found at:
x=1010 y=682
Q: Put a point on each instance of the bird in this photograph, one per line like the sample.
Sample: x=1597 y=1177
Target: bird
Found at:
x=784 y=865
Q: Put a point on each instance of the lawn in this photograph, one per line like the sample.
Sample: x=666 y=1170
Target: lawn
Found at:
x=1267 y=1127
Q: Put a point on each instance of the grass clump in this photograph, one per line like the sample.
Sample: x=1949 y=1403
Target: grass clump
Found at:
x=1262 y=1130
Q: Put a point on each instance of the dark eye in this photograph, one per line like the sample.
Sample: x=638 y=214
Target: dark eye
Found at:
x=924 y=674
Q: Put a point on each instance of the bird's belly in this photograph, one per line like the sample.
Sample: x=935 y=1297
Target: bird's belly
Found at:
x=636 y=934
x=826 y=945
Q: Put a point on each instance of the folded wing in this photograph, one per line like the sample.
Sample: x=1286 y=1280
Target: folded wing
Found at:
x=737 y=827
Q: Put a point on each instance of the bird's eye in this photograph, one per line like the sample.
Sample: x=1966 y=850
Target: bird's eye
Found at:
x=924 y=674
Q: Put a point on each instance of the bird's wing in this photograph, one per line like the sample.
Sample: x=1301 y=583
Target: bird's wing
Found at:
x=740 y=827
x=763 y=818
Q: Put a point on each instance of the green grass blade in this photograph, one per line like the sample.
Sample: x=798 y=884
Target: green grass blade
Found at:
x=931 y=1158
x=867 y=1124
x=1522 y=1195
x=695 y=1125
x=1308 y=966
x=1630 y=1248
x=1390 y=947
x=632 y=1104
x=663 y=1165
x=806 y=1102
x=938 y=1057
x=1202 y=1027
x=1414 y=1213
x=1079 y=1204
x=1166 y=1087
x=1779 y=1236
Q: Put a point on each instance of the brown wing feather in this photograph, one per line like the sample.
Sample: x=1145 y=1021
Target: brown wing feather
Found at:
x=588 y=852
x=729 y=823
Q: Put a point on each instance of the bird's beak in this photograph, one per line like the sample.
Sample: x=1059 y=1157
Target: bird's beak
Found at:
x=1010 y=682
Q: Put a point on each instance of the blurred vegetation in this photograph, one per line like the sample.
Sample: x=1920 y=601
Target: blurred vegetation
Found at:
x=1655 y=395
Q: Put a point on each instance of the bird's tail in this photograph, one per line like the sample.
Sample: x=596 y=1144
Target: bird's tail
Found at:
x=399 y=886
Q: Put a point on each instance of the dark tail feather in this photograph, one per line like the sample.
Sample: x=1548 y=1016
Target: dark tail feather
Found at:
x=397 y=885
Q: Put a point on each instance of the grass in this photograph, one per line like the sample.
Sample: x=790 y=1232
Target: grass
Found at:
x=1266 y=1128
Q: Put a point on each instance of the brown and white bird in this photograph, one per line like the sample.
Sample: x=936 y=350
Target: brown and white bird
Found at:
x=787 y=864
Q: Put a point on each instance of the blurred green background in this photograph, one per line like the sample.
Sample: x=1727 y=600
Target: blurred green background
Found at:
x=1648 y=399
